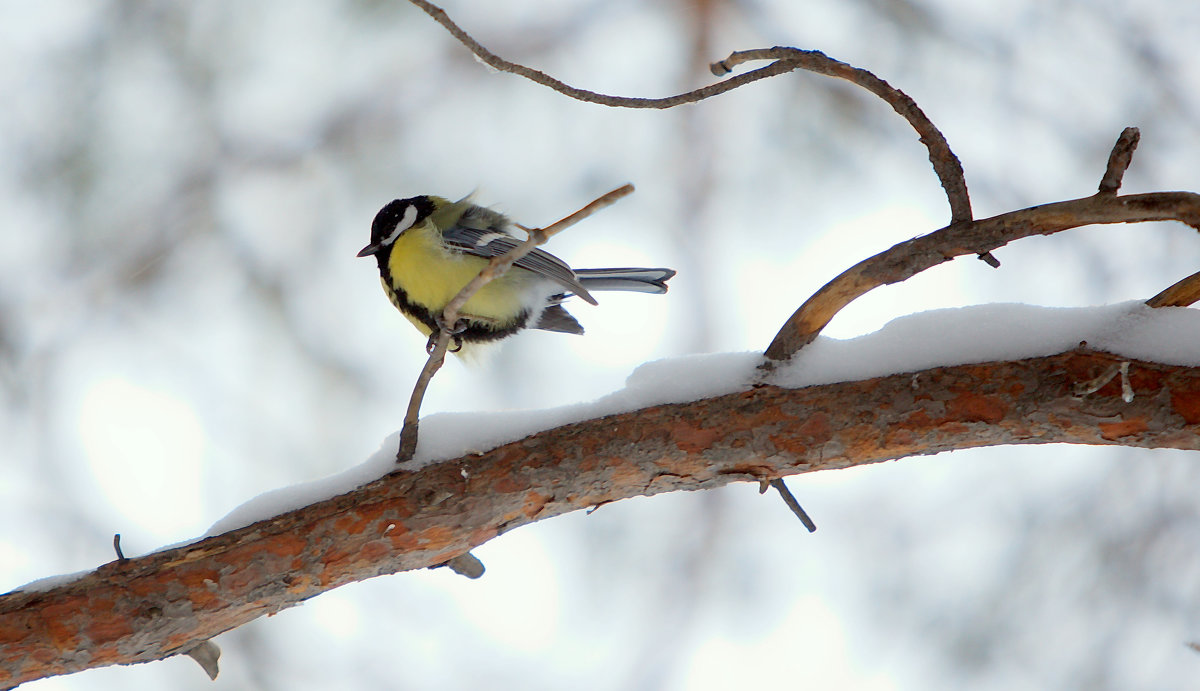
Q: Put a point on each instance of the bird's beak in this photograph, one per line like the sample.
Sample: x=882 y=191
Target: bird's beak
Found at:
x=370 y=249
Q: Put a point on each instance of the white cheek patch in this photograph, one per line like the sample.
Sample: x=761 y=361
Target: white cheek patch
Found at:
x=406 y=221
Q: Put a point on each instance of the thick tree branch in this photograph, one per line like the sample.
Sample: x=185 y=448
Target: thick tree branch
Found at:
x=163 y=604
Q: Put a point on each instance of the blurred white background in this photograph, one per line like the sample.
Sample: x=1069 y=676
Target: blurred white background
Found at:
x=184 y=325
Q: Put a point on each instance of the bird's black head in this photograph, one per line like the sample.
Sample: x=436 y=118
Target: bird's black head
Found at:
x=396 y=217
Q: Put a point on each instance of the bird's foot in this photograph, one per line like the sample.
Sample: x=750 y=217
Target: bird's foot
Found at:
x=456 y=342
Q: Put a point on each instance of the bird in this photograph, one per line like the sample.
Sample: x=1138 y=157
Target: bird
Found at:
x=429 y=247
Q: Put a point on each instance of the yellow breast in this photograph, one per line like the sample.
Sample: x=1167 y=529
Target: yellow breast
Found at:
x=431 y=276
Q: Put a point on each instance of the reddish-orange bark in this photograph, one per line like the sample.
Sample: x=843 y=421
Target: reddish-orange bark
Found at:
x=163 y=604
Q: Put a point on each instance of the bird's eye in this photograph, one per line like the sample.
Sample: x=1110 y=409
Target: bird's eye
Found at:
x=406 y=220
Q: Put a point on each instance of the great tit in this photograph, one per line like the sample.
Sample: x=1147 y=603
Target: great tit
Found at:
x=428 y=248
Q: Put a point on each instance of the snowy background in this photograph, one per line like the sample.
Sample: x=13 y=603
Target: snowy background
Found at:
x=184 y=325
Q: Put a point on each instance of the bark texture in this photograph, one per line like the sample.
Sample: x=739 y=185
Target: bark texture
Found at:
x=164 y=604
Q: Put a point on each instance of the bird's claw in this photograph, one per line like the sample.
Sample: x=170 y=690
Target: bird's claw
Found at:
x=458 y=327
x=456 y=344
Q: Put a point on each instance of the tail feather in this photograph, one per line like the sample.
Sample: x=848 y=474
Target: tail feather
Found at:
x=630 y=279
x=555 y=318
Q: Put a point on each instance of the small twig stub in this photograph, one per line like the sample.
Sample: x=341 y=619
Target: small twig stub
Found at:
x=790 y=500
x=1119 y=159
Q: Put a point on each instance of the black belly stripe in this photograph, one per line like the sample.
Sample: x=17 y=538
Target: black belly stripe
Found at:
x=474 y=333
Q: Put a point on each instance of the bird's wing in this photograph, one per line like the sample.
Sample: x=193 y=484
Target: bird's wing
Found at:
x=488 y=243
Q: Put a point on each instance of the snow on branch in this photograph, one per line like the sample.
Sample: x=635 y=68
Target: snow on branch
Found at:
x=166 y=603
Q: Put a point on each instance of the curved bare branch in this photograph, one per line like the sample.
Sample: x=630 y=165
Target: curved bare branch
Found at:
x=945 y=163
x=1184 y=292
x=908 y=258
